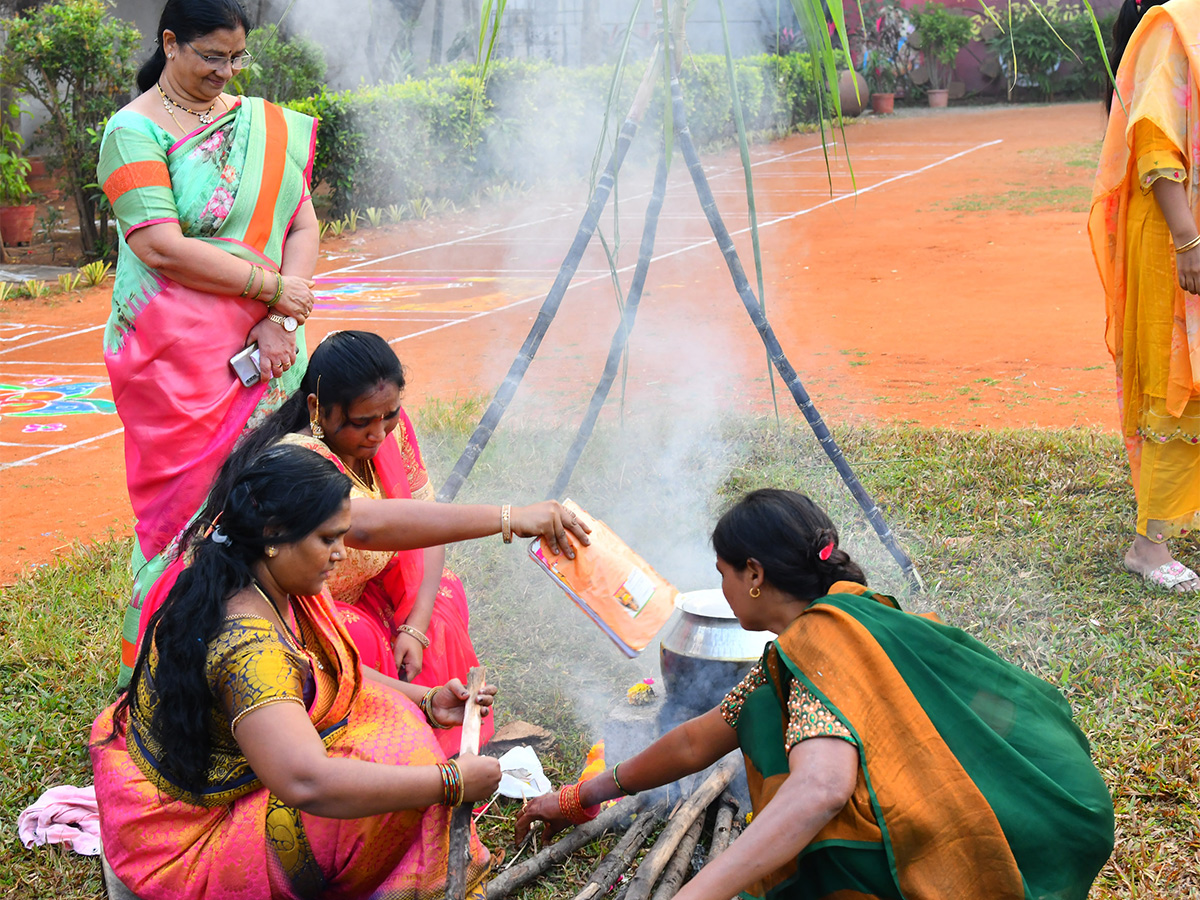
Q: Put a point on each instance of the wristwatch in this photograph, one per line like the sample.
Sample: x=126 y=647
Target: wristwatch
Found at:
x=289 y=324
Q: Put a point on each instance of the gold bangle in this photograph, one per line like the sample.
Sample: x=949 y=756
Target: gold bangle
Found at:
x=427 y=708
x=249 y=281
x=278 y=289
x=422 y=638
x=506 y=523
x=1194 y=242
x=262 y=282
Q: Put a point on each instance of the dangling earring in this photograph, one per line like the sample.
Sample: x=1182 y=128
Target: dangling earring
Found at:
x=755 y=592
x=271 y=552
x=317 y=431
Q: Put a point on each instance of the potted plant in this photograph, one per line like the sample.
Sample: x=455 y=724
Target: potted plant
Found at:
x=16 y=216
x=940 y=35
x=888 y=55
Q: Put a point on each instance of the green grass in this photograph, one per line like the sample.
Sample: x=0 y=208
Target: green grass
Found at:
x=1017 y=535
x=1071 y=198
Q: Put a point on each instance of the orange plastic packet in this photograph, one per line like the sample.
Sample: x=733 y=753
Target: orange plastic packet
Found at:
x=617 y=589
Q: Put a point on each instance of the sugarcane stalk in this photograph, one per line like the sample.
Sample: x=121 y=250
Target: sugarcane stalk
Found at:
x=518 y=876
x=622 y=855
x=677 y=869
x=656 y=860
x=460 y=819
x=775 y=350
x=722 y=826
x=587 y=227
x=620 y=339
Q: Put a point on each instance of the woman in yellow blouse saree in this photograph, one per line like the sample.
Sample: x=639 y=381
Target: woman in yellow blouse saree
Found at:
x=1147 y=246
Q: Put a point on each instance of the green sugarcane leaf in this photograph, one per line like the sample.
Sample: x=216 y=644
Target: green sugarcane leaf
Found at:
x=1112 y=78
x=614 y=94
x=744 y=149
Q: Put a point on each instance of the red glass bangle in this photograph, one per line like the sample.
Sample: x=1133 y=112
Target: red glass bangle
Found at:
x=572 y=809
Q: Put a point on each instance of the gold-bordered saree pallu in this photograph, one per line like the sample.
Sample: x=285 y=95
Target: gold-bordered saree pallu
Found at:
x=238 y=841
x=973 y=780
x=236 y=184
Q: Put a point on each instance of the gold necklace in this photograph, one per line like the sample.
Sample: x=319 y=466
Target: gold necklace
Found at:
x=360 y=481
x=297 y=642
x=205 y=117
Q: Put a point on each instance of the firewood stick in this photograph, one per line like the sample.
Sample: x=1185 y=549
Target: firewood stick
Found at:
x=722 y=826
x=460 y=819
x=677 y=869
x=656 y=860
x=622 y=855
x=520 y=875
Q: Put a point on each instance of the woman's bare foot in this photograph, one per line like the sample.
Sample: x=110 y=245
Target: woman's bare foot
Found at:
x=1154 y=563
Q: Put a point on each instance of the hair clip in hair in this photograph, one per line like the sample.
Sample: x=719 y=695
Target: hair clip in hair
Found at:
x=825 y=552
x=219 y=537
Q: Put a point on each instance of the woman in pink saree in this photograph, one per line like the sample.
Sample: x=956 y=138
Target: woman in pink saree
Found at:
x=252 y=755
x=218 y=243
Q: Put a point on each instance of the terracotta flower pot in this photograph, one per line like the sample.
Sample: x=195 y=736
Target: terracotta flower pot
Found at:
x=938 y=99
x=16 y=224
x=37 y=167
x=853 y=102
x=883 y=104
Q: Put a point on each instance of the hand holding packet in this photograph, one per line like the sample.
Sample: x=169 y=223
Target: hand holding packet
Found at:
x=614 y=586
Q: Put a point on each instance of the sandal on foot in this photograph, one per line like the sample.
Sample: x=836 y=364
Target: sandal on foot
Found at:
x=1170 y=575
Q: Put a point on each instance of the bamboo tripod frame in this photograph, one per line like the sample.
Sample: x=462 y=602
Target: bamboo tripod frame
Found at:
x=779 y=360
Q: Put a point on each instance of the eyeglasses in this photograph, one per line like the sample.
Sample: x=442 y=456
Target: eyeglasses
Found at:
x=237 y=63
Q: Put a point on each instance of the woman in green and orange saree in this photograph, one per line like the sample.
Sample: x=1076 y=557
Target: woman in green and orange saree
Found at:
x=887 y=755
x=218 y=243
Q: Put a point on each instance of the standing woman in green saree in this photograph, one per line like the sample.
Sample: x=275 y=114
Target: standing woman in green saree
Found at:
x=887 y=755
x=218 y=245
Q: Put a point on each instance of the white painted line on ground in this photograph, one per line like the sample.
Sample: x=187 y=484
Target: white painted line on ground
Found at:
x=57 y=337
x=30 y=362
x=23 y=445
x=717 y=173
x=32 y=459
x=711 y=240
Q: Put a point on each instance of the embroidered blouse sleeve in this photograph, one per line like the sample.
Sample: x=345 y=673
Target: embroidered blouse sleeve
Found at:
x=410 y=450
x=249 y=667
x=134 y=175
x=808 y=718
x=1157 y=155
x=731 y=706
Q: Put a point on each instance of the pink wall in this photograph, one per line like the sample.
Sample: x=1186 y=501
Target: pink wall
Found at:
x=977 y=71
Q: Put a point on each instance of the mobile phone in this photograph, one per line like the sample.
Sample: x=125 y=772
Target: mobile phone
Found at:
x=245 y=365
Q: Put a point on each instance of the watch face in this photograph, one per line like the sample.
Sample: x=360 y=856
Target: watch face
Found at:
x=289 y=324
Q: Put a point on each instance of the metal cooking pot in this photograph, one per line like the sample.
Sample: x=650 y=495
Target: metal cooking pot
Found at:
x=704 y=652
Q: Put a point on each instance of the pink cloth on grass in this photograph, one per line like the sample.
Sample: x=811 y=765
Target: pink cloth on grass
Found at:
x=63 y=815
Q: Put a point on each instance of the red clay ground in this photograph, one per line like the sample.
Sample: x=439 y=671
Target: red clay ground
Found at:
x=956 y=289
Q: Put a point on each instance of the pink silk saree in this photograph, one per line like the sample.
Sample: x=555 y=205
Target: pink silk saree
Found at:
x=254 y=847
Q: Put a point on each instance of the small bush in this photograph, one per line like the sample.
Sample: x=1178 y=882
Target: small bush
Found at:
x=394 y=144
x=1035 y=61
x=77 y=61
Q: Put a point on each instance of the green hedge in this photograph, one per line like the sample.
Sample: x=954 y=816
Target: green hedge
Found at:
x=393 y=143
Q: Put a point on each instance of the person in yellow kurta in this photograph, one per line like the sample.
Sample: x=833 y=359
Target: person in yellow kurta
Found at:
x=1145 y=238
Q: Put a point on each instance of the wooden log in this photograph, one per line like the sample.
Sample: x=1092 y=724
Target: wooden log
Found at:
x=518 y=876
x=657 y=859
x=680 y=865
x=722 y=826
x=460 y=819
x=620 y=857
